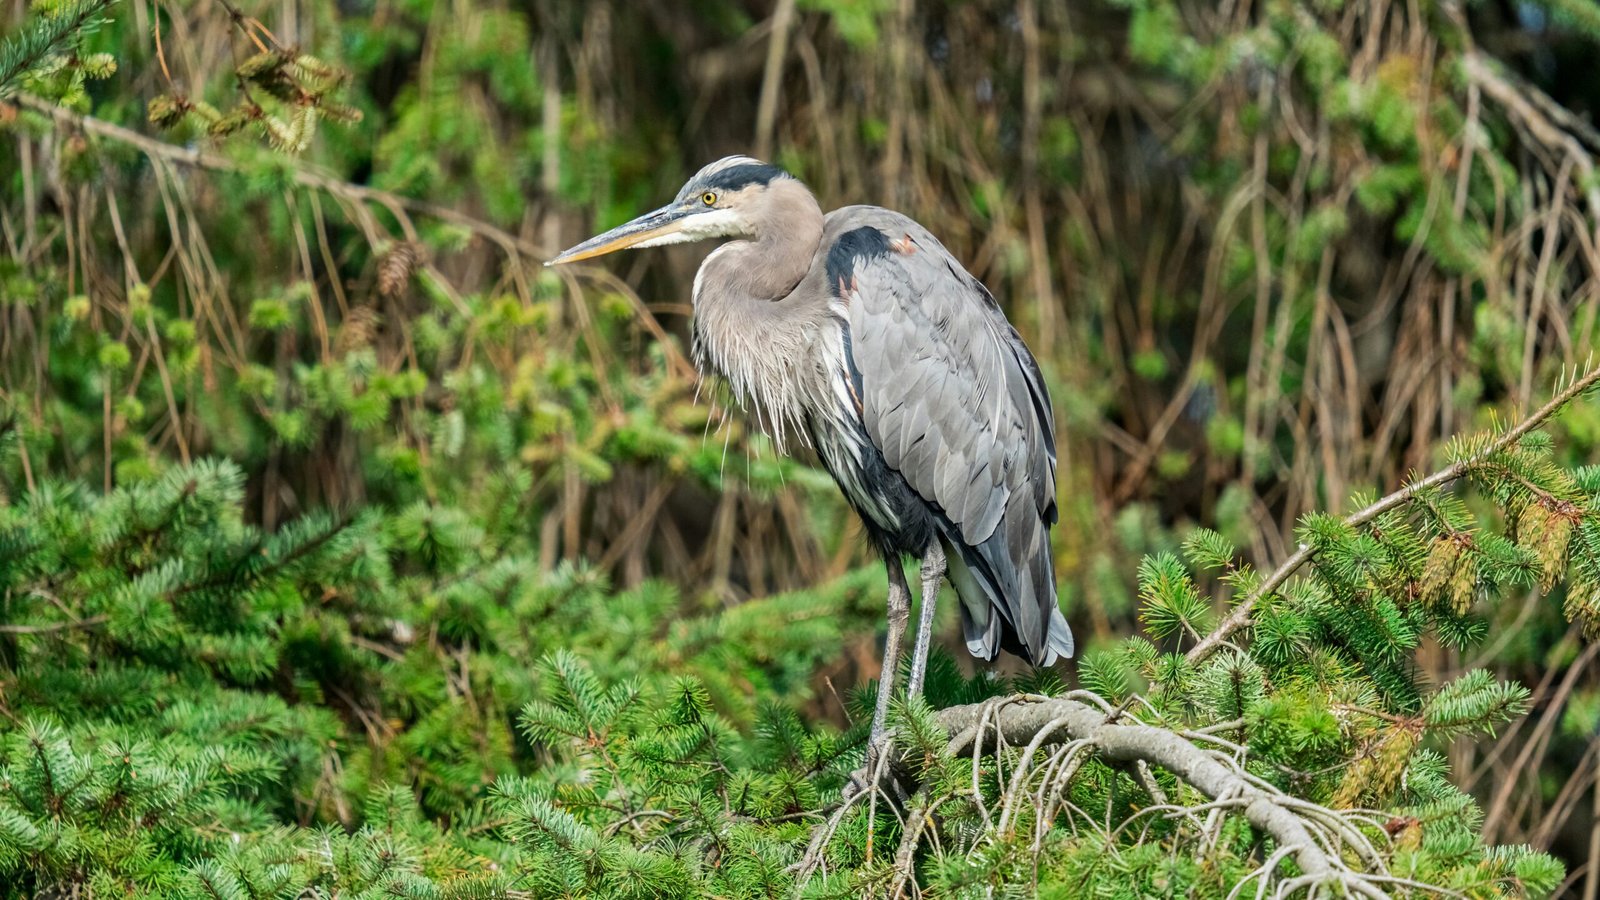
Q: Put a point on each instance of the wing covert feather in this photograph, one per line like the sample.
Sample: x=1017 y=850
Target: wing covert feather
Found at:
x=946 y=397
x=957 y=406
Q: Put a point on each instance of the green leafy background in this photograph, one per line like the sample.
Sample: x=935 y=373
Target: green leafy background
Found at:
x=344 y=548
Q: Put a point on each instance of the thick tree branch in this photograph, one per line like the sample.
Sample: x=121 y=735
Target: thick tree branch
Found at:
x=1054 y=721
x=1240 y=616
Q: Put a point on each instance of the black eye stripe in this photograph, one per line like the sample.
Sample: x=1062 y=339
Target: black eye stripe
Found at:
x=735 y=177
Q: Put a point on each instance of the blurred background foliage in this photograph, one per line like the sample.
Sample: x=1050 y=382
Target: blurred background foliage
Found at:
x=1269 y=254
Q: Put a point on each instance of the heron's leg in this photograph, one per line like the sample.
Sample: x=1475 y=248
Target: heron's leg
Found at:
x=899 y=613
x=933 y=566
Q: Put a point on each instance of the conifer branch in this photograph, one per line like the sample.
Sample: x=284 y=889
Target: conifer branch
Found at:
x=1240 y=616
x=25 y=52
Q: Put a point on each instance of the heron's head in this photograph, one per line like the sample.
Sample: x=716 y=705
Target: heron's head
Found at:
x=733 y=197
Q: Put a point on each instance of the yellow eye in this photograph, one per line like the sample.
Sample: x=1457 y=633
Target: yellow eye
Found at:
x=708 y=198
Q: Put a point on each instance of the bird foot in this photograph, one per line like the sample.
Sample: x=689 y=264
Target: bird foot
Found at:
x=878 y=772
x=855 y=786
x=861 y=782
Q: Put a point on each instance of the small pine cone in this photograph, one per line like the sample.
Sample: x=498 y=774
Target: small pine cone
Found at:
x=356 y=331
x=266 y=64
x=1354 y=783
x=1464 y=587
x=166 y=111
x=1583 y=606
x=339 y=112
x=1444 y=557
x=1375 y=773
x=1450 y=573
x=1556 y=519
x=1393 y=754
x=396 y=267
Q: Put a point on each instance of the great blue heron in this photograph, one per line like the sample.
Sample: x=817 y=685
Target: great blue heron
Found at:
x=859 y=332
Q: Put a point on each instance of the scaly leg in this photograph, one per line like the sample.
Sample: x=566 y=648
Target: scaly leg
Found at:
x=899 y=612
x=933 y=566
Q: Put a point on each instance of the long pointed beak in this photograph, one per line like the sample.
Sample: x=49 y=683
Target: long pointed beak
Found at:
x=660 y=223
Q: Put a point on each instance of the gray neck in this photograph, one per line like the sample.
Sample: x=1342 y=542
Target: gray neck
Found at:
x=751 y=325
x=770 y=263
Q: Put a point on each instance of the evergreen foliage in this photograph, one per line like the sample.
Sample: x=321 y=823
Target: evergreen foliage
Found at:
x=193 y=702
x=197 y=706
x=46 y=50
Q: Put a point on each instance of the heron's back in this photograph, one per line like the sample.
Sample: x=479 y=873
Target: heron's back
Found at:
x=936 y=424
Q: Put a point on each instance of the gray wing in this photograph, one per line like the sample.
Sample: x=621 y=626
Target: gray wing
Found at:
x=956 y=404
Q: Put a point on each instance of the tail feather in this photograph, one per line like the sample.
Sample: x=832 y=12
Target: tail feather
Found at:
x=1059 y=640
x=1005 y=606
x=979 y=624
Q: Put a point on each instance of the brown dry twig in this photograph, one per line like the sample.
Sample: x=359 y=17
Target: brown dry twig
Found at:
x=516 y=248
x=1533 y=110
x=91 y=622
